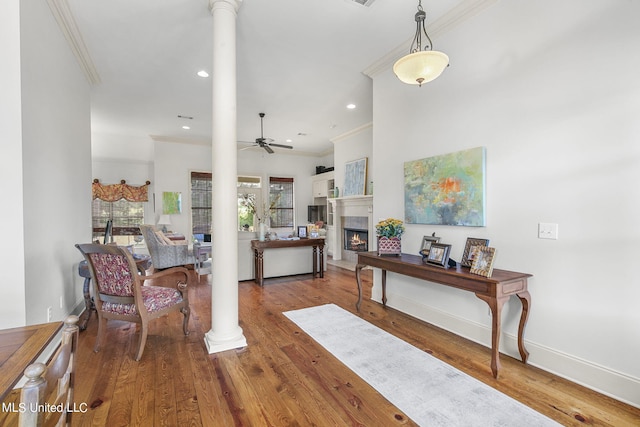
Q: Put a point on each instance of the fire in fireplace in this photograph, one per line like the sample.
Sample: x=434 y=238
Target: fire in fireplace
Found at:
x=355 y=239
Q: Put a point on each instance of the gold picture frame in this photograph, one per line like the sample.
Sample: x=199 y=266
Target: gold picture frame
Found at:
x=467 y=254
x=483 y=260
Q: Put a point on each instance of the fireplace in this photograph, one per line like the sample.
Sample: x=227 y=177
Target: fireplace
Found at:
x=356 y=239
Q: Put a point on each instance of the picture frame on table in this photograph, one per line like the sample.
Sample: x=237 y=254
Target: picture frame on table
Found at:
x=439 y=254
x=483 y=260
x=302 y=231
x=467 y=254
x=426 y=244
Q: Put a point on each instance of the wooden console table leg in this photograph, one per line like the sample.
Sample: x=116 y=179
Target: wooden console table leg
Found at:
x=359 y=268
x=315 y=261
x=321 y=261
x=259 y=264
x=384 y=288
x=525 y=299
x=495 y=304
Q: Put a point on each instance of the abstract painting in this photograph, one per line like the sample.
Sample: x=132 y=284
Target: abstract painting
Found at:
x=446 y=190
x=171 y=202
x=355 y=177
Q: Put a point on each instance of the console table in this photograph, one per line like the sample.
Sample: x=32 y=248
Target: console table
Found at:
x=259 y=247
x=495 y=290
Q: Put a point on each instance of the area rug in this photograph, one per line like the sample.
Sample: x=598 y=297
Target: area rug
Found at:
x=426 y=389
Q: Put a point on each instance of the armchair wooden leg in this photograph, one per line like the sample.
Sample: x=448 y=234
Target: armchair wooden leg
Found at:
x=143 y=340
x=185 y=323
x=102 y=329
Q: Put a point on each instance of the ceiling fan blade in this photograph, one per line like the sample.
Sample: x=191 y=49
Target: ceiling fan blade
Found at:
x=269 y=150
x=280 y=145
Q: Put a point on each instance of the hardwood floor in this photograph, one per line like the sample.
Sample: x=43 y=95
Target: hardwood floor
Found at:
x=283 y=378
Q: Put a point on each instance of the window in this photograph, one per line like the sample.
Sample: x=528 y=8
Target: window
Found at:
x=126 y=217
x=281 y=202
x=249 y=198
x=200 y=202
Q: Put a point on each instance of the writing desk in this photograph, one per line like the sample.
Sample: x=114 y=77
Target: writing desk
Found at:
x=259 y=247
x=20 y=347
x=495 y=290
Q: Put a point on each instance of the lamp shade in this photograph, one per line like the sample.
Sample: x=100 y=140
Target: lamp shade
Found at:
x=420 y=67
x=164 y=220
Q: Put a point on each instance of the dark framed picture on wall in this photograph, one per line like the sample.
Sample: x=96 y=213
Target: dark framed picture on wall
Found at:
x=302 y=231
x=469 y=250
x=439 y=254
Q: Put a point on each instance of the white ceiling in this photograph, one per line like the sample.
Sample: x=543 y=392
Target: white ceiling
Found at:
x=299 y=61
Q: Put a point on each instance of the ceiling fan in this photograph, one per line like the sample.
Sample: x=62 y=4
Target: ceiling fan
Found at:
x=266 y=143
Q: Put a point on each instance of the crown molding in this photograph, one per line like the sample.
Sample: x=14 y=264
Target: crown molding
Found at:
x=67 y=23
x=447 y=22
x=351 y=133
x=235 y=4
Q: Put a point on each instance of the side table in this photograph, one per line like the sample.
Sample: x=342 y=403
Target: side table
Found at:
x=143 y=262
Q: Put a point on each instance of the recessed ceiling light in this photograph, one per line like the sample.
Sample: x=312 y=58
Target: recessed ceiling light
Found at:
x=289 y=140
x=351 y=106
x=203 y=73
x=186 y=127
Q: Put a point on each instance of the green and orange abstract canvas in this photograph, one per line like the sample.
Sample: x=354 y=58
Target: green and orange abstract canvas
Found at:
x=446 y=190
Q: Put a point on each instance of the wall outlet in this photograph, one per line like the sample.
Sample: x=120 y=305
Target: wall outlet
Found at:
x=49 y=314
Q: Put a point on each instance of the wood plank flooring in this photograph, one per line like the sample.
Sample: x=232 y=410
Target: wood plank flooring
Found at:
x=283 y=377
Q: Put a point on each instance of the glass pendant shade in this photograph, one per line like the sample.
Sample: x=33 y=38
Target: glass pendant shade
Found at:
x=420 y=67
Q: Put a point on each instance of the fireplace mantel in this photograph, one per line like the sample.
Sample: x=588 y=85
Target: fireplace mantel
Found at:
x=350 y=206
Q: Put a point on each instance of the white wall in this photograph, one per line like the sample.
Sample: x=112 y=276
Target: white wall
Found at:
x=551 y=90
x=12 y=304
x=56 y=160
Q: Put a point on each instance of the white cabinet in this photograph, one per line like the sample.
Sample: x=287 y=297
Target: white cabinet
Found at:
x=322 y=185
x=320 y=188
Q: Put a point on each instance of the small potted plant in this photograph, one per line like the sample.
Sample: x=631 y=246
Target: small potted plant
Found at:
x=389 y=233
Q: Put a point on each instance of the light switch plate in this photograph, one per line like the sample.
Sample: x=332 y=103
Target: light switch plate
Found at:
x=547 y=230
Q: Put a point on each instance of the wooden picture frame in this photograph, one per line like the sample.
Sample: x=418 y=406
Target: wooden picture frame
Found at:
x=302 y=231
x=467 y=254
x=439 y=254
x=355 y=178
x=483 y=261
x=426 y=244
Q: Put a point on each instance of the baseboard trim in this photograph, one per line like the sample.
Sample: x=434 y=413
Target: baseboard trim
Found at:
x=599 y=378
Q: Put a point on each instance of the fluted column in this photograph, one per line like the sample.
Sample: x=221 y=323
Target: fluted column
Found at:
x=225 y=333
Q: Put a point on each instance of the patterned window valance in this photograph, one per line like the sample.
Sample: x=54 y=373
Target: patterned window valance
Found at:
x=114 y=192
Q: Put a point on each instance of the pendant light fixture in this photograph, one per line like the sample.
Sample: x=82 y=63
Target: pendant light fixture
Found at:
x=420 y=66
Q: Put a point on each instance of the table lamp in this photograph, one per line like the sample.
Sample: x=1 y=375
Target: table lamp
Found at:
x=164 y=221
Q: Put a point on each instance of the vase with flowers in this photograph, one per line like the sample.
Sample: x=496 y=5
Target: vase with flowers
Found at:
x=261 y=216
x=389 y=233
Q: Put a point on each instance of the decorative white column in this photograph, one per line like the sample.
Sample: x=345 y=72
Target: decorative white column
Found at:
x=225 y=333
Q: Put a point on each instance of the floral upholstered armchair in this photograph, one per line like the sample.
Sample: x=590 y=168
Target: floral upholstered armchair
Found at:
x=165 y=253
x=122 y=294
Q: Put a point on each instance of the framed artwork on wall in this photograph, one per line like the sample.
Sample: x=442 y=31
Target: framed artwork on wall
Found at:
x=171 y=202
x=446 y=190
x=355 y=178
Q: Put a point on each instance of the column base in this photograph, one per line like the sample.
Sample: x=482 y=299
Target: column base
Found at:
x=218 y=344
